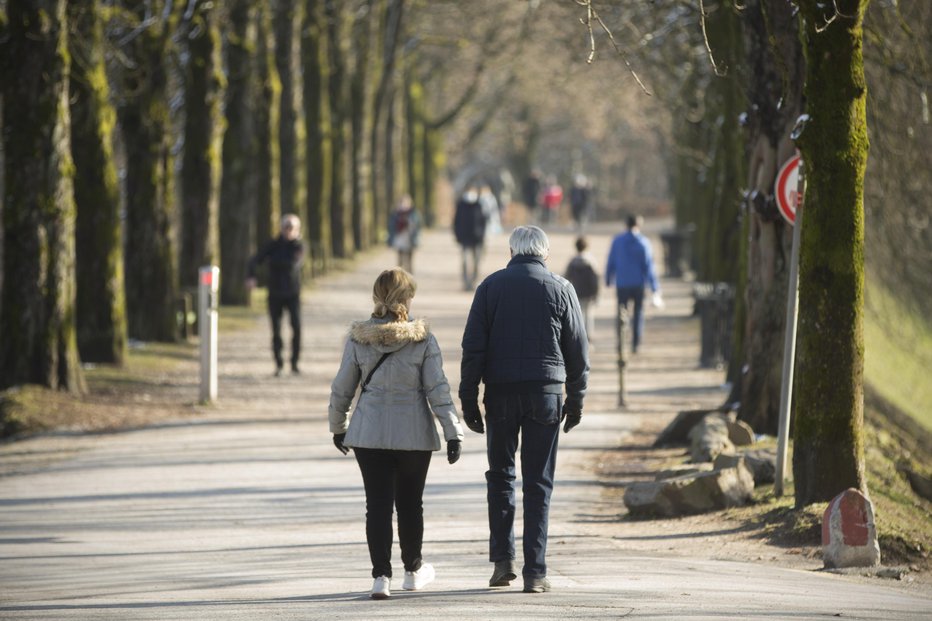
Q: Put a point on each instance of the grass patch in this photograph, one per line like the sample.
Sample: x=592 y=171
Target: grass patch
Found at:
x=898 y=354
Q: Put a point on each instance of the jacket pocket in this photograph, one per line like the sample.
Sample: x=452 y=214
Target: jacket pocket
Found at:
x=542 y=408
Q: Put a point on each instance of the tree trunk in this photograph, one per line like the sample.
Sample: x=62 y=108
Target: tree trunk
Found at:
x=100 y=311
x=361 y=126
x=414 y=144
x=317 y=121
x=341 y=240
x=286 y=20
x=38 y=302
x=267 y=105
x=200 y=170
x=150 y=255
x=776 y=69
x=828 y=454
x=239 y=185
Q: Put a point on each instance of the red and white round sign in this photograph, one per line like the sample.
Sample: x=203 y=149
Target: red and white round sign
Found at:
x=786 y=189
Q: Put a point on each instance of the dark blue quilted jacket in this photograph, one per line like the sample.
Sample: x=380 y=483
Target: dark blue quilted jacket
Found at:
x=525 y=333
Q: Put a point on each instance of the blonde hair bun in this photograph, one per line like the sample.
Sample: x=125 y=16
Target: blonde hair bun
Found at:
x=391 y=292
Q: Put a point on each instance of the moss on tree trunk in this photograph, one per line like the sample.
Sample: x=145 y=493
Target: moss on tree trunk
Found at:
x=361 y=104
x=828 y=454
x=317 y=121
x=37 y=309
x=268 y=156
x=145 y=121
x=239 y=185
x=100 y=305
x=286 y=19
x=340 y=226
x=200 y=170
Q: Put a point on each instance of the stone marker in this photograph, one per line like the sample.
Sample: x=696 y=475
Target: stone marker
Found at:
x=849 y=537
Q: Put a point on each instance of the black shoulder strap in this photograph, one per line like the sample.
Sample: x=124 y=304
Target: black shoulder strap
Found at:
x=377 y=365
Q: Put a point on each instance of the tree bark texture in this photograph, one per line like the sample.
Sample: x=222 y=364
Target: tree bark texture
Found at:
x=100 y=312
x=267 y=106
x=828 y=455
x=145 y=121
x=361 y=125
x=239 y=184
x=317 y=121
x=287 y=19
x=38 y=303
x=775 y=79
x=340 y=227
x=200 y=170
x=414 y=144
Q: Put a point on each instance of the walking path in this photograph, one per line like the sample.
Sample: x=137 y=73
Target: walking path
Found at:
x=247 y=511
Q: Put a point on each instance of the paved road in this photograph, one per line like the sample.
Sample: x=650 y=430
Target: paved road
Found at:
x=246 y=511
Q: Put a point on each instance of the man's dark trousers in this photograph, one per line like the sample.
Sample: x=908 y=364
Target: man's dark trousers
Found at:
x=277 y=304
x=636 y=295
x=537 y=418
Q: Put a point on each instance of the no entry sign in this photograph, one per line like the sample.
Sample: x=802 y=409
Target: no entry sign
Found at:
x=786 y=189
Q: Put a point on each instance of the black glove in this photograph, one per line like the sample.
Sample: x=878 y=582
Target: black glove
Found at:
x=472 y=416
x=453 y=450
x=338 y=442
x=572 y=416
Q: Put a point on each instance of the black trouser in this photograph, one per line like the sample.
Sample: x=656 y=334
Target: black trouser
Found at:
x=393 y=478
x=277 y=304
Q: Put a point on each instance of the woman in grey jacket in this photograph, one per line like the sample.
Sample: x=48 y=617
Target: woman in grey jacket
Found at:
x=392 y=433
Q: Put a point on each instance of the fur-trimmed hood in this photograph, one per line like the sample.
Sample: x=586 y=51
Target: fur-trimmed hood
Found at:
x=389 y=335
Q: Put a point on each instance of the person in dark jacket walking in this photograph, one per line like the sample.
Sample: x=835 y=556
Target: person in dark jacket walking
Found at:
x=525 y=341
x=585 y=280
x=469 y=224
x=285 y=256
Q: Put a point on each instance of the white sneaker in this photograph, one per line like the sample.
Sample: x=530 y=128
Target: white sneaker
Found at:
x=381 y=588
x=419 y=579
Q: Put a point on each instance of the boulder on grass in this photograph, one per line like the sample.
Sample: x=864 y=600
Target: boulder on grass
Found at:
x=740 y=433
x=690 y=494
x=677 y=432
x=709 y=439
x=849 y=537
x=682 y=470
x=762 y=464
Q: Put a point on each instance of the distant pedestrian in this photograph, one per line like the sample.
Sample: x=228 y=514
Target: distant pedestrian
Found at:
x=630 y=268
x=530 y=191
x=583 y=276
x=469 y=227
x=580 y=201
x=404 y=227
x=397 y=364
x=285 y=256
x=525 y=340
x=552 y=199
x=491 y=210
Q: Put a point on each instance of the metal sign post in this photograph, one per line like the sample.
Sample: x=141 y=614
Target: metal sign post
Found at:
x=621 y=323
x=208 y=281
x=792 y=311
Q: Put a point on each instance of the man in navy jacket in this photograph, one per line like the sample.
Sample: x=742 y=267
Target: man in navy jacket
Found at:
x=525 y=340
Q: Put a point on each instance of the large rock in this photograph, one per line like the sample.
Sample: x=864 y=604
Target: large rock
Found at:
x=849 y=537
x=677 y=432
x=762 y=463
x=689 y=494
x=682 y=470
x=709 y=439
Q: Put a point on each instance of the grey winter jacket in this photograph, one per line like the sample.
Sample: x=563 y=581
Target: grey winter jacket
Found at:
x=394 y=412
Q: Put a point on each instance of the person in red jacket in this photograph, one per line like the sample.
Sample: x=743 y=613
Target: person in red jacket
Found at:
x=553 y=197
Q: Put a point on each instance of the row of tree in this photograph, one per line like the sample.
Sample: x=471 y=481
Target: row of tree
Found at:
x=143 y=139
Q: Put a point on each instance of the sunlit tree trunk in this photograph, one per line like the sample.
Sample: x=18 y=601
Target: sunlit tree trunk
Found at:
x=100 y=307
x=145 y=121
x=239 y=185
x=200 y=169
x=317 y=121
x=287 y=19
x=340 y=226
x=38 y=302
x=828 y=455
x=775 y=73
x=361 y=125
x=266 y=109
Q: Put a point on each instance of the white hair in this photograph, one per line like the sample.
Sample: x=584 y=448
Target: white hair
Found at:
x=529 y=240
x=291 y=220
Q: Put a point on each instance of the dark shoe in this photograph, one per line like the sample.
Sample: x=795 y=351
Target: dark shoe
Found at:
x=504 y=573
x=295 y=370
x=278 y=370
x=536 y=585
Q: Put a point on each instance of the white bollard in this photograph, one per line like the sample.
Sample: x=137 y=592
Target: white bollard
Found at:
x=208 y=281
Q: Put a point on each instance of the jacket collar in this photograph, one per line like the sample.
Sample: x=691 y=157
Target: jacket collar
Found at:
x=524 y=259
x=387 y=333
